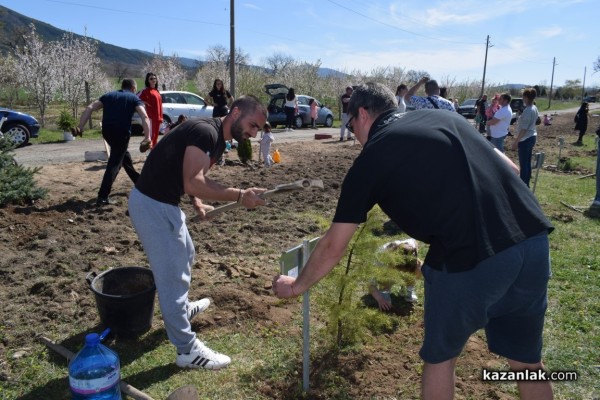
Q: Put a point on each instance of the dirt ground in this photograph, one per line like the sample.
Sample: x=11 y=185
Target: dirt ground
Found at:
x=48 y=248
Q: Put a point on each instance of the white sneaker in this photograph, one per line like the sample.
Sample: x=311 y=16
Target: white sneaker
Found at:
x=202 y=357
x=411 y=297
x=196 y=307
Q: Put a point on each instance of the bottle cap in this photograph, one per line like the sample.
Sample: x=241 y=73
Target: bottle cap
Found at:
x=92 y=339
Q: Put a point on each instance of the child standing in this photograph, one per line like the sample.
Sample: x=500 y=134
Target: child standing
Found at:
x=312 y=103
x=265 y=144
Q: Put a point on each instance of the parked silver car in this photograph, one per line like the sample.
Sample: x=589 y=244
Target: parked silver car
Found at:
x=176 y=103
x=277 y=113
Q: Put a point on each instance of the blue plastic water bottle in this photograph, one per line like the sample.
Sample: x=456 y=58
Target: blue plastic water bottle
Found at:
x=95 y=372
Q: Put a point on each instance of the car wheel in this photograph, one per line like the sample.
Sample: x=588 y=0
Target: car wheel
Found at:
x=273 y=125
x=298 y=122
x=19 y=134
x=329 y=121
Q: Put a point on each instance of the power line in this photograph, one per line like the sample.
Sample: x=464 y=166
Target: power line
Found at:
x=395 y=27
x=168 y=17
x=136 y=12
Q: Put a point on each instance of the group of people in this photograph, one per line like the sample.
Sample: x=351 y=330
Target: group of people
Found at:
x=119 y=106
x=487 y=269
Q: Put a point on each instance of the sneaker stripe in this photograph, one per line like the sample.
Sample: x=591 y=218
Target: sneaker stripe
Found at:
x=199 y=361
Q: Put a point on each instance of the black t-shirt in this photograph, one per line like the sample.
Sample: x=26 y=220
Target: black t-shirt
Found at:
x=219 y=97
x=162 y=176
x=345 y=104
x=434 y=175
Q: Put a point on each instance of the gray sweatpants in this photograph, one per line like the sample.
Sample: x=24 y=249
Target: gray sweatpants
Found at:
x=162 y=231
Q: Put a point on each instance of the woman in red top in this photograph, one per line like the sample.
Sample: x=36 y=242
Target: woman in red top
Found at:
x=151 y=97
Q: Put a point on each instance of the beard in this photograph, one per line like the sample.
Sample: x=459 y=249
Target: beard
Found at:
x=237 y=131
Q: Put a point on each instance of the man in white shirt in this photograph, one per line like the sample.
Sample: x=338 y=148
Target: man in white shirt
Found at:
x=500 y=123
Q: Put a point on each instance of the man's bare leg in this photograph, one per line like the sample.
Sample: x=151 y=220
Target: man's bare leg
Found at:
x=438 y=380
x=531 y=390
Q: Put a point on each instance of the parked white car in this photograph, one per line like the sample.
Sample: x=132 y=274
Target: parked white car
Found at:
x=176 y=103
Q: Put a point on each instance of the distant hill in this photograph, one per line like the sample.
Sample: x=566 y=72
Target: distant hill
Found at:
x=13 y=25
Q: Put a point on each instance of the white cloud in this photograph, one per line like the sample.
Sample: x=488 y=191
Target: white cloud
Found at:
x=252 y=6
x=550 y=31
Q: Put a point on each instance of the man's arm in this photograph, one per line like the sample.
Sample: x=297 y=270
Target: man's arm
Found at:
x=493 y=121
x=326 y=255
x=87 y=113
x=196 y=164
x=411 y=92
x=508 y=161
x=145 y=121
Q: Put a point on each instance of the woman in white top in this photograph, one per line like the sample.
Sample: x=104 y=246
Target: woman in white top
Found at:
x=526 y=138
x=291 y=105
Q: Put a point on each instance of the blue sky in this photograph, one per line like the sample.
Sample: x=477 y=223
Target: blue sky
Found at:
x=445 y=38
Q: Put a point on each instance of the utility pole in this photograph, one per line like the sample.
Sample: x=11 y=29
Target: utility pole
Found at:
x=583 y=87
x=551 y=83
x=232 y=48
x=487 y=46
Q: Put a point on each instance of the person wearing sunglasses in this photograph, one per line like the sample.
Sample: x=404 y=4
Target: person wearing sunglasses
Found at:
x=442 y=183
x=151 y=98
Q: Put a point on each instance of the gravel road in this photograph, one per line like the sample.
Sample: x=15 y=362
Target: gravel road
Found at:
x=74 y=151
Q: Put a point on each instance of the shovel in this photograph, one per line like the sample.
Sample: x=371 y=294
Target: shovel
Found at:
x=284 y=188
x=187 y=392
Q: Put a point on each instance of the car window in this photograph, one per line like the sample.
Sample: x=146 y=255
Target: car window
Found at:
x=172 y=98
x=279 y=102
x=303 y=101
x=191 y=99
x=166 y=98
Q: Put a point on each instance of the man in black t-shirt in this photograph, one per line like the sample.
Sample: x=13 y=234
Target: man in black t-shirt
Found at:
x=178 y=165
x=443 y=184
x=481 y=105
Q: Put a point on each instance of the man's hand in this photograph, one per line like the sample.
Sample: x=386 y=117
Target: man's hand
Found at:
x=144 y=145
x=201 y=208
x=384 y=305
x=250 y=198
x=283 y=286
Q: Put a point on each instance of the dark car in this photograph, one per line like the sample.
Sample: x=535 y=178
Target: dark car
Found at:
x=18 y=126
x=277 y=113
x=589 y=99
x=517 y=106
x=468 y=109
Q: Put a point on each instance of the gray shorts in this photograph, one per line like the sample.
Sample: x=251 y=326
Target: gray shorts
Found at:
x=505 y=294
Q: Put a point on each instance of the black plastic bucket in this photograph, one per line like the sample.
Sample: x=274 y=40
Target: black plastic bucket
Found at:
x=125 y=299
